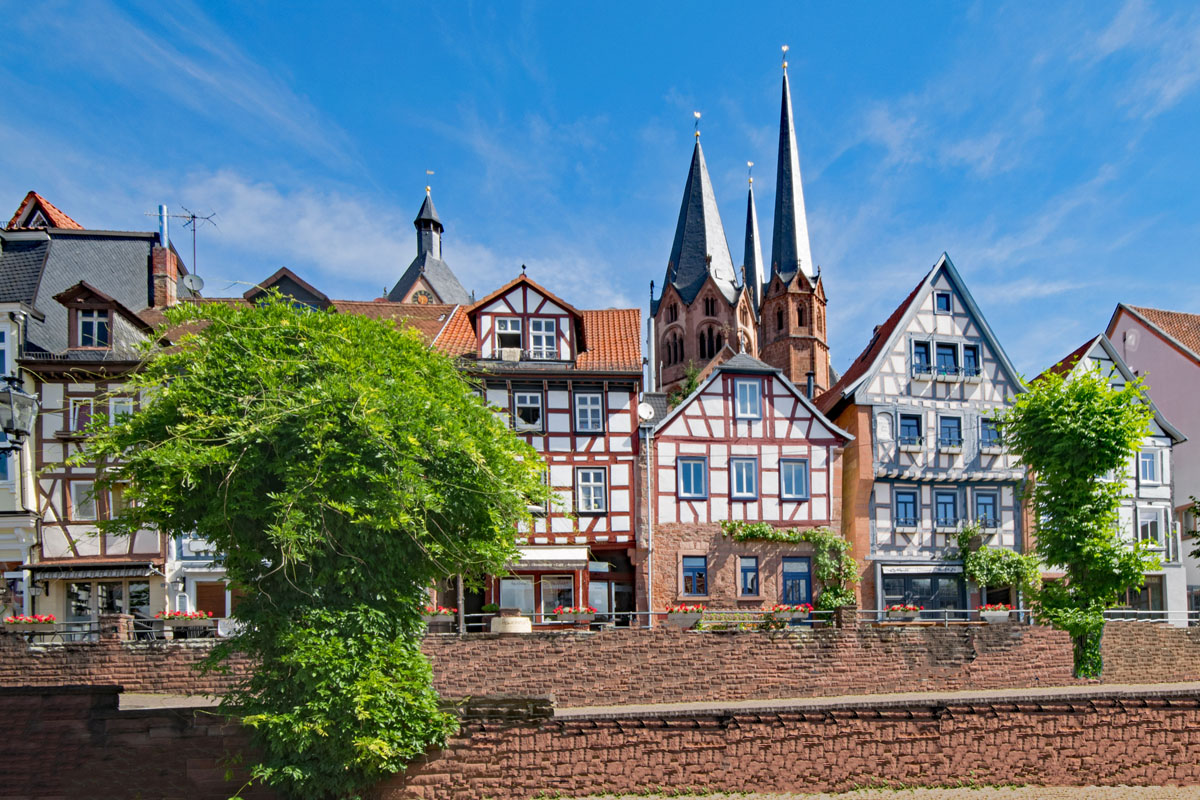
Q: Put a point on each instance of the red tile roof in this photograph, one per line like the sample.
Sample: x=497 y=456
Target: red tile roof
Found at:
x=457 y=337
x=867 y=357
x=1179 y=325
x=428 y=320
x=53 y=214
x=614 y=340
x=1068 y=363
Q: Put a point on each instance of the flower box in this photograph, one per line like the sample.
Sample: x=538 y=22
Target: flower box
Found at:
x=576 y=617
x=685 y=620
x=30 y=627
x=186 y=622
x=903 y=615
x=431 y=619
x=994 y=616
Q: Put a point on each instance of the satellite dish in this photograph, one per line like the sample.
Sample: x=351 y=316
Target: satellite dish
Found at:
x=193 y=283
x=645 y=412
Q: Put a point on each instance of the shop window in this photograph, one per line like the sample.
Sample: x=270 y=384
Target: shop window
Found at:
x=935 y=592
x=517 y=593
x=557 y=590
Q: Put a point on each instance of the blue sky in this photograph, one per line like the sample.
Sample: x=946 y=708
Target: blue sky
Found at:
x=1051 y=151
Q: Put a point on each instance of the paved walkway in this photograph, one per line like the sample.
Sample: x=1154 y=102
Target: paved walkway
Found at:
x=875 y=701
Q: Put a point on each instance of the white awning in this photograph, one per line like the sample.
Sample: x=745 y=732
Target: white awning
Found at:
x=548 y=557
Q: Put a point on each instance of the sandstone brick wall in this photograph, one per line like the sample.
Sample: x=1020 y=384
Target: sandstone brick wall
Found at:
x=664 y=665
x=1104 y=741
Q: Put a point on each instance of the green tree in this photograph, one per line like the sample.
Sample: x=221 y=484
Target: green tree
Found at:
x=994 y=567
x=1071 y=434
x=341 y=467
x=691 y=382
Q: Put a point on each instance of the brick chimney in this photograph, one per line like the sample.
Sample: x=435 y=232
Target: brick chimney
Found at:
x=165 y=271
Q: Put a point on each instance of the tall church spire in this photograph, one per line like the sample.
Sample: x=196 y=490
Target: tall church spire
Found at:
x=700 y=248
x=789 y=239
x=753 y=253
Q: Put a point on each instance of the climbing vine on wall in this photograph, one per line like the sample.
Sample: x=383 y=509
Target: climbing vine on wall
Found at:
x=833 y=565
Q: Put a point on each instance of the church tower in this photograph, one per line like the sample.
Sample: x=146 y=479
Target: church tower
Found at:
x=428 y=278
x=792 y=333
x=702 y=313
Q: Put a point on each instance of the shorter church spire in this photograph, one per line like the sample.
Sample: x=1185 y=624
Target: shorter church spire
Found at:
x=753 y=253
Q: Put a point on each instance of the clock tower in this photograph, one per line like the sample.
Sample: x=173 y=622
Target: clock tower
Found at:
x=429 y=279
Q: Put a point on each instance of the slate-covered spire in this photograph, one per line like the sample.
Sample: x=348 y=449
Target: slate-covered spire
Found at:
x=789 y=240
x=441 y=284
x=700 y=248
x=429 y=228
x=753 y=254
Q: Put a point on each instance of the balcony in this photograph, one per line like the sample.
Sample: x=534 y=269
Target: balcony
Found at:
x=922 y=372
x=948 y=373
x=911 y=444
x=972 y=374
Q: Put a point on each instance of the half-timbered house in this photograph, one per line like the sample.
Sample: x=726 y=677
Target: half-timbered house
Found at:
x=747 y=445
x=1147 y=513
x=922 y=400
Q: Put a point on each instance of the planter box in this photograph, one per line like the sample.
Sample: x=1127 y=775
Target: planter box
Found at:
x=433 y=619
x=188 y=623
x=511 y=625
x=793 y=614
x=576 y=617
x=995 y=616
x=905 y=616
x=30 y=627
x=684 y=620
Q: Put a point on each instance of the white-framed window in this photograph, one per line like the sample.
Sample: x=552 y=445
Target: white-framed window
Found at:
x=1148 y=466
x=941 y=303
x=508 y=332
x=591 y=491
x=119 y=407
x=517 y=593
x=83 y=500
x=589 y=412
x=748 y=576
x=118 y=500
x=79 y=413
x=793 y=478
x=1151 y=525
x=693 y=478
x=93 y=327
x=748 y=393
x=527 y=411
x=543 y=338
x=743 y=478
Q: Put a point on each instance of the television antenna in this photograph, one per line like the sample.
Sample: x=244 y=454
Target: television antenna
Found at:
x=191 y=220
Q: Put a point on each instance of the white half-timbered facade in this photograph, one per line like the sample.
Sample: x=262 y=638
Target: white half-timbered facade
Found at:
x=568 y=381
x=1146 y=512
x=926 y=393
x=746 y=445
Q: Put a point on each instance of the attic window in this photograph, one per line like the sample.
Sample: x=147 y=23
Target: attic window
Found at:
x=93 y=327
x=37 y=220
x=508 y=332
x=941 y=302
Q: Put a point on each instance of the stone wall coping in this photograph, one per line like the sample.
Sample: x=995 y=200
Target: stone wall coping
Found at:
x=880 y=702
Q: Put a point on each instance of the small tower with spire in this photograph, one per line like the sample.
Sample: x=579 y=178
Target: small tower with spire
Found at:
x=428 y=278
x=792 y=334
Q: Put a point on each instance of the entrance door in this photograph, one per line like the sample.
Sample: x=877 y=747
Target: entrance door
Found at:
x=797 y=582
x=79 y=611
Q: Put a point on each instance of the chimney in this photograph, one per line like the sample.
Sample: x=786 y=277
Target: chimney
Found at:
x=163 y=238
x=808 y=384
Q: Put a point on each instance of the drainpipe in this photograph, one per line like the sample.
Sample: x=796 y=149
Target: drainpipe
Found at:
x=649 y=533
x=808 y=386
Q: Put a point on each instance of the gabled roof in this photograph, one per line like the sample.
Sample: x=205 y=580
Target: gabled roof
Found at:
x=700 y=248
x=790 y=250
x=523 y=279
x=437 y=274
x=747 y=364
x=281 y=277
x=34 y=203
x=1179 y=328
x=884 y=337
x=83 y=289
x=1068 y=365
x=614 y=341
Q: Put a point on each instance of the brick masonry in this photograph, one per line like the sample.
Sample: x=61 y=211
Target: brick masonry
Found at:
x=662 y=666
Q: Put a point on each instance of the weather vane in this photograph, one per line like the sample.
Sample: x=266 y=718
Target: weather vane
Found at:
x=696 y=114
x=785 y=49
x=428 y=172
x=750 y=171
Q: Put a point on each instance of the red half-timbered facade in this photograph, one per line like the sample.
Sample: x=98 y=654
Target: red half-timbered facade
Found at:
x=568 y=381
x=747 y=445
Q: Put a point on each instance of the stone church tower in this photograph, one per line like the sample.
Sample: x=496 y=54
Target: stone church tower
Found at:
x=707 y=312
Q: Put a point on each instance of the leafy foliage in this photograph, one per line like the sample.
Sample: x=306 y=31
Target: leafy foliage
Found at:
x=1071 y=434
x=833 y=565
x=340 y=467
x=691 y=382
x=994 y=567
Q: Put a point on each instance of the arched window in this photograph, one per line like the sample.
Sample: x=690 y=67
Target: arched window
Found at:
x=673 y=312
x=709 y=344
x=800 y=316
x=779 y=320
x=720 y=343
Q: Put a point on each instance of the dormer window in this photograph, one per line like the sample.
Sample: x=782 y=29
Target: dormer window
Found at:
x=508 y=332
x=94 y=327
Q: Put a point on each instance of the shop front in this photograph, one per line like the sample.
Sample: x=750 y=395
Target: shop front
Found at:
x=939 y=587
x=79 y=594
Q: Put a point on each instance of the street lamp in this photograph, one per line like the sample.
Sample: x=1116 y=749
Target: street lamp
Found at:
x=18 y=410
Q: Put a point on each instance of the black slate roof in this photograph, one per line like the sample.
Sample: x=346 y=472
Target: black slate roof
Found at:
x=428 y=212
x=743 y=362
x=657 y=401
x=20 y=267
x=438 y=274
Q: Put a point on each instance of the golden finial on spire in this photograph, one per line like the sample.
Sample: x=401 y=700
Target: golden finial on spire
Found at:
x=428 y=172
x=750 y=171
x=696 y=114
x=785 y=49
